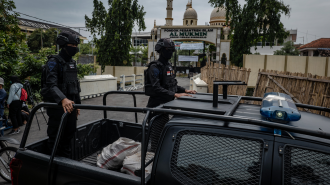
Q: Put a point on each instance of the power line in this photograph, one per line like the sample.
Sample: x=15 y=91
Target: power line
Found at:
x=311 y=34
x=50 y=21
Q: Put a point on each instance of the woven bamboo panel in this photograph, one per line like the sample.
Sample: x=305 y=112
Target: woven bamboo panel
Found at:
x=305 y=88
x=218 y=72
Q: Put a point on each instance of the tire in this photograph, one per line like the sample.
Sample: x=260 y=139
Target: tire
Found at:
x=6 y=155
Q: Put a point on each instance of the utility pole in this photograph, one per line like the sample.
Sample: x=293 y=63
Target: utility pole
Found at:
x=303 y=40
x=58 y=50
x=41 y=37
x=79 y=43
x=136 y=43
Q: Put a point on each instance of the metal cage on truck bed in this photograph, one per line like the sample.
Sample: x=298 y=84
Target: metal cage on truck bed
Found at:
x=209 y=144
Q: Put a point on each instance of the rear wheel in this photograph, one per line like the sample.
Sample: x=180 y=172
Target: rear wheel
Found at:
x=6 y=155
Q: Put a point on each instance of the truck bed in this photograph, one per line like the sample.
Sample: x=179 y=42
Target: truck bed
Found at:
x=91 y=160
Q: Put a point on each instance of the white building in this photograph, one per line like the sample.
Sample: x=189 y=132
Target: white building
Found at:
x=268 y=50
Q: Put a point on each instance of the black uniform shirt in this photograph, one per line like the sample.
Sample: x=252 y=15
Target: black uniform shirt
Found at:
x=155 y=77
x=53 y=79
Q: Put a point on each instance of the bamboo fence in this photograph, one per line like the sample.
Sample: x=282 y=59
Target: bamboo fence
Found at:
x=218 y=72
x=303 y=88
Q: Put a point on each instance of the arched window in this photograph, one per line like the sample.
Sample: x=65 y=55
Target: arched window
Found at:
x=186 y=22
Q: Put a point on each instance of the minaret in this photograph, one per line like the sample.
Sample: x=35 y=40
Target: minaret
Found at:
x=169 y=8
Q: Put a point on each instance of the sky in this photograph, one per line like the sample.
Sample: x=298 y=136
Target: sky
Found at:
x=309 y=17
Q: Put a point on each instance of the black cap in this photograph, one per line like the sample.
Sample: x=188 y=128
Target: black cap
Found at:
x=164 y=43
x=67 y=38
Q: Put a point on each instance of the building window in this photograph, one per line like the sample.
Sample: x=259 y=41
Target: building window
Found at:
x=141 y=42
x=192 y=22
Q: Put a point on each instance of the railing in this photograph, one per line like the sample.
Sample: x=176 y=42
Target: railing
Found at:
x=317 y=133
x=133 y=79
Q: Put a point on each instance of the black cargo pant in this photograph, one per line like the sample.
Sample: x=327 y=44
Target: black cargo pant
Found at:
x=64 y=146
x=15 y=113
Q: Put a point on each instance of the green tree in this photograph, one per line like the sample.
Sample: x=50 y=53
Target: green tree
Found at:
x=115 y=28
x=256 y=20
x=145 y=54
x=48 y=39
x=288 y=49
x=86 y=48
x=11 y=40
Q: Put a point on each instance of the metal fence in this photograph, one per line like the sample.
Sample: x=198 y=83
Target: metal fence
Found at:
x=135 y=82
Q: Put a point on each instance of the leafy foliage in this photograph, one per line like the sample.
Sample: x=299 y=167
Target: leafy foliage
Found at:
x=87 y=49
x=11 y=40
x=115 y=28
x=84 y=70
x=256 y=20
x=48 y=39
x=31 y=67
x=288 y=49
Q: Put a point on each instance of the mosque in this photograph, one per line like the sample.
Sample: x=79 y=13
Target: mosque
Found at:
x=215 y=32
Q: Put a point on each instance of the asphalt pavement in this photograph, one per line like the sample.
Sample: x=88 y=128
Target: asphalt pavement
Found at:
x=87 y=116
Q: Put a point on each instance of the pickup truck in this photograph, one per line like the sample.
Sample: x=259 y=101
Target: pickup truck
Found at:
x=208 y=139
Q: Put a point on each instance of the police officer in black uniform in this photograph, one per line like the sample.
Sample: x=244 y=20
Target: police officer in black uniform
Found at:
x=60 y=85
x=161 y=84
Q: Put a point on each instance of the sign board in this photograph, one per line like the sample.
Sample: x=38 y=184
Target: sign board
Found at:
x=183 y=58
x=192 y=45
x=177 y=45
x=189 y=45
x=209 y=35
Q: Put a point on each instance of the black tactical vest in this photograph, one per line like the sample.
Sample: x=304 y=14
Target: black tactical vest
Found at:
x=167 y=78
x=68 y=81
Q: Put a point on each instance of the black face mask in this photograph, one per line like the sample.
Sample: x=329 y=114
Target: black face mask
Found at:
x=167 y=54
x=71 y=51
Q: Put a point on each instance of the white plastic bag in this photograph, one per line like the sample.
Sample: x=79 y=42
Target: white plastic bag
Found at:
x=113 y=155
x=133 y=162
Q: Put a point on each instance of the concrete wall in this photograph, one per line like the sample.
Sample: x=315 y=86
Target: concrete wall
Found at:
x=275 y=62
x=225 y=48
x=297 y=64
x=92 y=86
x=254 y=62
x=316 y=64
x=117 y=71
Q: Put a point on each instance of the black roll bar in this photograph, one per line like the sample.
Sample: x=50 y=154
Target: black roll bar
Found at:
x=325 y=109
x=133 y=93
x=57 y=140
x=224 y=89
x=76 y=106
x=316 y=133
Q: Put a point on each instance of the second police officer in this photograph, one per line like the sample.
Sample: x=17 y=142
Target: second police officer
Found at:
x=161 y=84
x=60 y=85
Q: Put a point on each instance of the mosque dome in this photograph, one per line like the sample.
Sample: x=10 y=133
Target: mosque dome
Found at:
x=218 y=15
x=190 y=14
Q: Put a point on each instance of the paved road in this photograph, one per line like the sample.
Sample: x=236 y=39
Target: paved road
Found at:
x=90 y=115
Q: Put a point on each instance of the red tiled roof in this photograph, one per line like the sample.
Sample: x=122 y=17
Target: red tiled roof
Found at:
x=320 y=43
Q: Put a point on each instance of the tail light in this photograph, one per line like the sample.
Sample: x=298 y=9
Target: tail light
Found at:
x=15 y=166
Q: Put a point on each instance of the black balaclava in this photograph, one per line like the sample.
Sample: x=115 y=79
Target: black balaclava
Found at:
x=71 y=51
x=64 y=54
x=165 y=55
